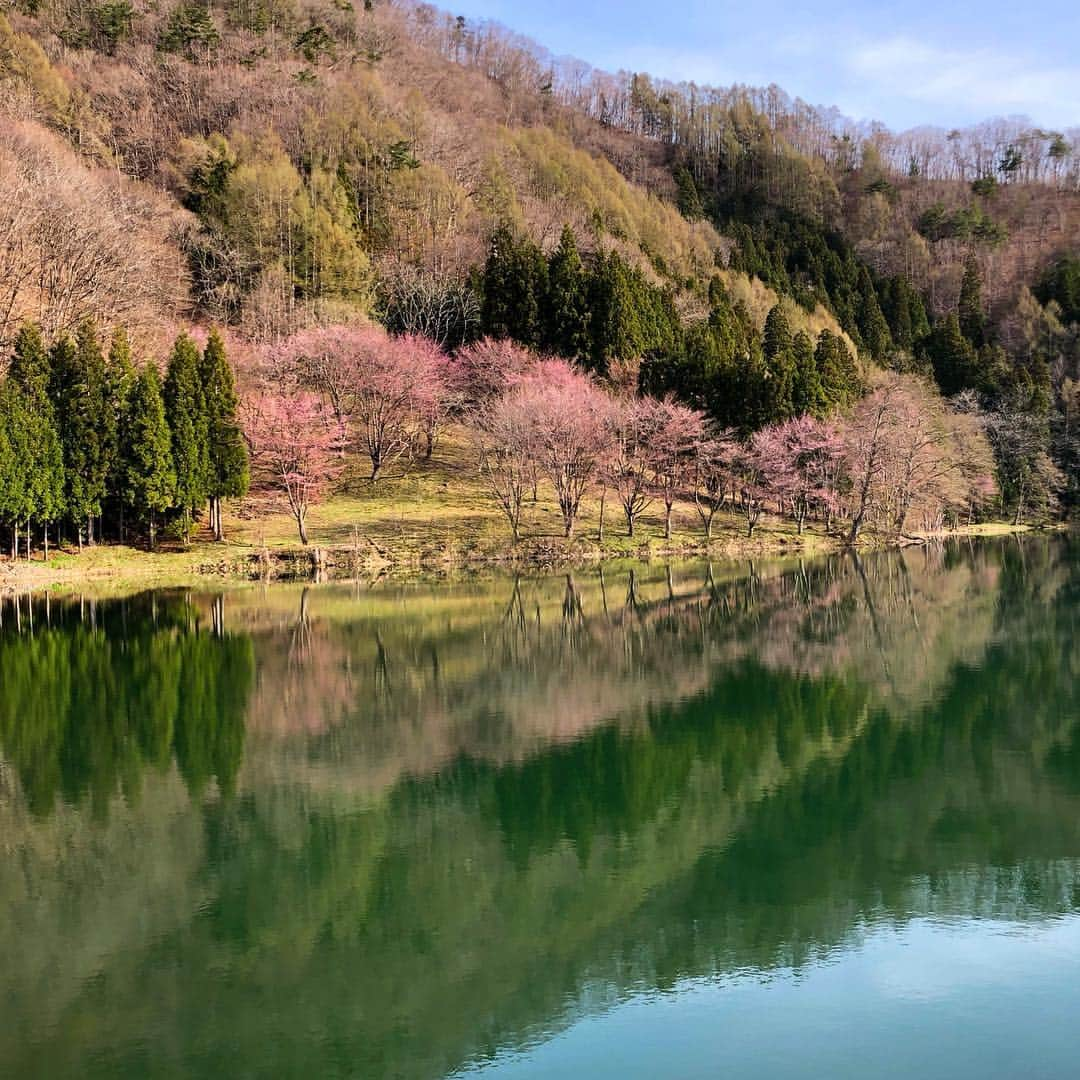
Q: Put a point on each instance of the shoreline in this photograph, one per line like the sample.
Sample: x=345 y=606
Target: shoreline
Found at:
x=206 y=562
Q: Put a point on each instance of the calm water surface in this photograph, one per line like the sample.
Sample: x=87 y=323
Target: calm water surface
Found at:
x=814 y=820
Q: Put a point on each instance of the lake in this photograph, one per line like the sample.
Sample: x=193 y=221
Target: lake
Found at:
x=770 y=820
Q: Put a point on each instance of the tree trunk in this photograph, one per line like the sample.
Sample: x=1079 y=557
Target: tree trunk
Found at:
x=153 y=529
x=667 y=521
x=301 y=522
x=600 y=530
x=46 y=541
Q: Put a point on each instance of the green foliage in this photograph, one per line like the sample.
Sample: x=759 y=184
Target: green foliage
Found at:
x=967 y=223
x=190 y=30
x=146 y=450
x=79 y=389
x=567 y=315
x=227 y=471
x=514 y=289
x=1060 y=284
x=186 y=415
x=971 y=316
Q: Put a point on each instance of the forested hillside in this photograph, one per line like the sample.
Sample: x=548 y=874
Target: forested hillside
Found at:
x=275 y=166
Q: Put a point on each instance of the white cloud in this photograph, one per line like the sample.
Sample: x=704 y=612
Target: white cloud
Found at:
x=977 y=82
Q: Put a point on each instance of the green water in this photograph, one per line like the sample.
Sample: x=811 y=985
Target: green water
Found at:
x=814 y=820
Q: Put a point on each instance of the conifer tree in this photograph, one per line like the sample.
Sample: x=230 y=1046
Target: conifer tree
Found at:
x=146 y=452
x=954 y=358
x=807 y=395
x=79 y=397
x=970 y=309
x=185 y=411
x=873 y=329
x=567 y=321
x=836 y=369
x=40 y=456
x=119 y=380
x=228 y=472
x=777 y=335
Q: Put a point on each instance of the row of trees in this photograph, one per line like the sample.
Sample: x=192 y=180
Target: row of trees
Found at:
x=898 y=454
x=90 y=444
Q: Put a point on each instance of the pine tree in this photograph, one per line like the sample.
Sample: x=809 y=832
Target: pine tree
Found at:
x=567 y=316
x=79 y=397
x=807 y=395
x=970 y=314
x=228 y=473
x=185 y=411
x=954 y=358
x=119 y=380
x=777 y=335
x=146 y=452
x=40 y=456
x=515 y=286
x=836 y=369
x=873 y=329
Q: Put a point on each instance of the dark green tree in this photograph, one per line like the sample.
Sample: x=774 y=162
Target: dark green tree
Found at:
x=227 y=457
x=836 y=369
x=186 y=414
x=40 y=454
x=119 y=381
x=567 y=316
x=515 y=287
x=78 y=379
x=954 y=358
x=807 y=394
x=146 y=453
x=972 y=319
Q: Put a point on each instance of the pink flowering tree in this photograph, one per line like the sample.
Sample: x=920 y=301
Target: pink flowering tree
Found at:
x=505 y=437
x=626 y=461
x=568 y=415
x=802 y=459
x=295 y=441
x=389 y=396
x=711 y=475
x=676 y=433
x=485 y=369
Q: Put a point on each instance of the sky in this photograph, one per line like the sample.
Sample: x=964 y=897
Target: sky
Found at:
x=928 y=62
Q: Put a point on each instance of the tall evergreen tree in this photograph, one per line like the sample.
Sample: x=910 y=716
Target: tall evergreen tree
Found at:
x=185 y=411
x=954 y=358
x=119 y=381
x=515 y=285
x=40 y=452
x=970 y=313
x=807 y=395
x=567 y=317
x=146 y=452
x=873 y=329
x=836 y=369
x=228 y=472
x=777 y=335
x=79 y=397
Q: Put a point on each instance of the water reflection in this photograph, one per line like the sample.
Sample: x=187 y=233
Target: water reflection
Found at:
x=394 y=831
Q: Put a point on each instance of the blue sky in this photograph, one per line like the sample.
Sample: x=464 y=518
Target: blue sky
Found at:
x=925 y=62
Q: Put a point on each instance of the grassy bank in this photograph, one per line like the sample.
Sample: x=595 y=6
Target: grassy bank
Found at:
x=436 y=518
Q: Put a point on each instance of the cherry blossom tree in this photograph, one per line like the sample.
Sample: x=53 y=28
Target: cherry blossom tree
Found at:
x=626 y=464
x=802 y=460
x=569 y=420
x=676 y=432
x=711 y=475
x=505 y=437
x=487 y=368
x=296 y=443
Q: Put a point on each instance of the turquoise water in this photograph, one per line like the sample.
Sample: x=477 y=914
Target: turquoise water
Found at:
x=814 y=819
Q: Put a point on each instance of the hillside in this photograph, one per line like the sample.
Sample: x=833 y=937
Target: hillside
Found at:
x=273 y=165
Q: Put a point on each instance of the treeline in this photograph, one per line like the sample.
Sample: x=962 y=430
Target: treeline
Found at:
x=93 y=447
x=601 y=310
x=898 y=454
